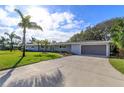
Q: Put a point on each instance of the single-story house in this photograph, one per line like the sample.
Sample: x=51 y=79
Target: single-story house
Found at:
x=79 y=48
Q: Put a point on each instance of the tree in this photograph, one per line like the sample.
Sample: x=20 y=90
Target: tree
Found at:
x=11 y=38
x=3 y=41
x=26 y=24
x=100 y=31
x=32 y=40
x=117 y=34
x=45 y=43
x=53 y=42
x=36 y=41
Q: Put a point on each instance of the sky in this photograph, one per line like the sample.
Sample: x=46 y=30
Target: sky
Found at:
x=59 y=22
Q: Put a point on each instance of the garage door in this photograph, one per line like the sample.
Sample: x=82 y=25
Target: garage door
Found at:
x=93 y=49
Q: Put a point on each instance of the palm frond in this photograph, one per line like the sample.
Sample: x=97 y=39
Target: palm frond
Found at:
x=33 y=25
x=18 y=37
x=19 y=12
x=7 y=34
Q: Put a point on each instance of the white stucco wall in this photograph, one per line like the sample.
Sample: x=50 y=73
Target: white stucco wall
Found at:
x=107 y=50
x=73 y=48
x=76 y=49
x=67 y=48
x=30 y=48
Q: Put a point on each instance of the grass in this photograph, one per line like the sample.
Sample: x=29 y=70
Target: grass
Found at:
x=118 y=64
x=13 y=59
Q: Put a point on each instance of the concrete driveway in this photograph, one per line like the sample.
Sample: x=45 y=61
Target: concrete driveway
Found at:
x=68 y=71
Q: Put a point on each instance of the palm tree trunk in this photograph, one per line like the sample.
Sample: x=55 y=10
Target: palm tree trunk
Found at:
x=24 y=31
x=11 y=46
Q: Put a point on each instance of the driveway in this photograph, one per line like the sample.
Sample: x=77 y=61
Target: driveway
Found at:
x=71 y=71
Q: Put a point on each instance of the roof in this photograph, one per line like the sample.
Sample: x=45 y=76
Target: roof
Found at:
x=83 y=43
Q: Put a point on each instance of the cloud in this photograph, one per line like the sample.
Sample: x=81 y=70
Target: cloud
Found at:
x=73 y=25
x=5 y=29
x=54 y=23
x=5 y=19
x=59 y=26
x=47 y=20
x=10 y=8
x=9 y=21
x=51 y=35
x=3 y=13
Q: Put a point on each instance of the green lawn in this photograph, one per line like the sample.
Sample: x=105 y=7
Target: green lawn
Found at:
x=13 y=59
x=117 y=63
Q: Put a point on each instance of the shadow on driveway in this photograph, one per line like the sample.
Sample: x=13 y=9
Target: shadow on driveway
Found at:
x=5 y=77
x=52 y=80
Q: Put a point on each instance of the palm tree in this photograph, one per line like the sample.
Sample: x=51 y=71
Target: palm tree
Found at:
x=46 y=42
x=11 y=38
x=32 y=40
x=26 y=24
x=3 y=41
x=117 y=34
x=36 y=41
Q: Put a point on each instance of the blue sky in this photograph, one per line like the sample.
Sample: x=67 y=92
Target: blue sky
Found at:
x=59 y=22
x=92 y=13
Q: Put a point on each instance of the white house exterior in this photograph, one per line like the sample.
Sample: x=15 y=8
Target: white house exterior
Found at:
x=79 y=48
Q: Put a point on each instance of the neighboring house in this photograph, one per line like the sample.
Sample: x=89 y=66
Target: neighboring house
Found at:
x=79 y=48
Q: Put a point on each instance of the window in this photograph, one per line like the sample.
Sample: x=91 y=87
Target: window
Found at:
x=32 y=46
x=42 y=46
x=62 y=46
